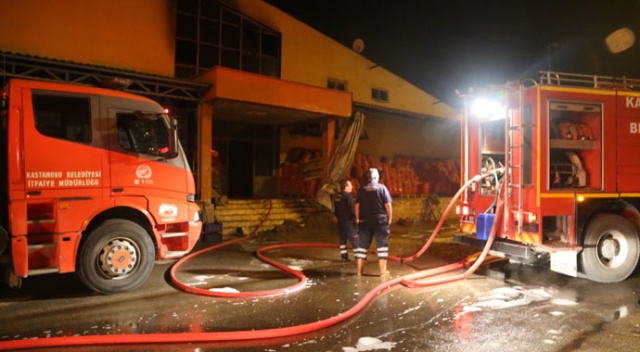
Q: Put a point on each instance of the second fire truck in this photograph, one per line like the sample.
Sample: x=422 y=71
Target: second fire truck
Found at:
x=568 y=150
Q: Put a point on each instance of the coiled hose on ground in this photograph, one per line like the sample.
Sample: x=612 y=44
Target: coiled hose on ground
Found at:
x=418 y=279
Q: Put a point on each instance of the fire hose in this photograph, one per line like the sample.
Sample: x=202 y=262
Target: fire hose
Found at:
x=417 y=279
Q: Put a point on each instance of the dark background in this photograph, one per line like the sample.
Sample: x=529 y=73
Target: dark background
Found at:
x=443 y=45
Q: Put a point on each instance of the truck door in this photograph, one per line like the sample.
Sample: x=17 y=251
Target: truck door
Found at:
x=62 y=158
x=143 y=167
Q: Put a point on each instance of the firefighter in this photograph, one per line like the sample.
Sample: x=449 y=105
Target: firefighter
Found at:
x=344 y=208
x=374 y=213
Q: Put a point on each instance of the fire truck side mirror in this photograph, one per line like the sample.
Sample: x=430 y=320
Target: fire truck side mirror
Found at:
x=173 y=137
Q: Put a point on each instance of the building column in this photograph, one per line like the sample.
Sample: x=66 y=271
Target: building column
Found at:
x=204 y=159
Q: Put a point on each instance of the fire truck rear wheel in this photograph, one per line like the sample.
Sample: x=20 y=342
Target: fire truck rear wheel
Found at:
x=610 y=249
x=117 y=257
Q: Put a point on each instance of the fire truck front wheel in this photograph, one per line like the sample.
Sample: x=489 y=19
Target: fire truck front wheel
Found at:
x=610 y=249
x=116 y=257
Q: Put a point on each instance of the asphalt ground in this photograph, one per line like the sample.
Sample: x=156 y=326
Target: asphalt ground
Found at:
x=501 y=307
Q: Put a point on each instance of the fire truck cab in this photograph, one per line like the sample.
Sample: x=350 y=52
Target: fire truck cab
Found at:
x=92 y=180
x=562 y=155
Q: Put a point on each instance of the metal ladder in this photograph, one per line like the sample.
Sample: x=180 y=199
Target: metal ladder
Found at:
x=514 y=130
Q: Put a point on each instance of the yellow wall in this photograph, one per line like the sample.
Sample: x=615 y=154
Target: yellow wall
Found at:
x=310 y=57
x=138 y=35
x=128 y=34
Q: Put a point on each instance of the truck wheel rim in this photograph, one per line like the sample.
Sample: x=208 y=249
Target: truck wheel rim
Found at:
x=612 y=249
x=118 y=258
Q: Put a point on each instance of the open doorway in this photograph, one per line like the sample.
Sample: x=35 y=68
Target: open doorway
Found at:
x=240 y=169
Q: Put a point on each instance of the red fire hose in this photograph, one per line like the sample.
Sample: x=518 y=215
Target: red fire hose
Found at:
x=417 y=279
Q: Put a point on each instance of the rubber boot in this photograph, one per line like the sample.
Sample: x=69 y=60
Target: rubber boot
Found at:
x=345 y=258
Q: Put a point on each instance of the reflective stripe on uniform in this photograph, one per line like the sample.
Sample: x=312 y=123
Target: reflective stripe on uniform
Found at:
x=360 y=253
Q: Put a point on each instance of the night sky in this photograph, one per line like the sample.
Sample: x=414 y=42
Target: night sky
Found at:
x=443 y=45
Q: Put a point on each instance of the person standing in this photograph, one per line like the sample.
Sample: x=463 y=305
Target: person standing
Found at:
x=344 y=209
x=374 y=213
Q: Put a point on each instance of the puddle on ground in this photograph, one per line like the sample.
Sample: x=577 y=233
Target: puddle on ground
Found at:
x=508 y=297
x=370 y=344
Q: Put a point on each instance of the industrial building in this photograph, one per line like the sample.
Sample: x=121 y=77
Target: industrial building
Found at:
x=253 y=87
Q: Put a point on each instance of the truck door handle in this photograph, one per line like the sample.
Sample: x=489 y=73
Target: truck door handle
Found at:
x=34 y=193
x=117 y=190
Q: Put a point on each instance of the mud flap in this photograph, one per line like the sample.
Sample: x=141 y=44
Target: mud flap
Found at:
x=565 y=262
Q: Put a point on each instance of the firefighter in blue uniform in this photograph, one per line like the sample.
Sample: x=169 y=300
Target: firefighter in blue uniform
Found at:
x=374 y=212
x=344 y=208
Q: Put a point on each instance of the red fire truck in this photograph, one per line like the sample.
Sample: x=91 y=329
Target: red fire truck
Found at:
x=92 y=180
x=568 y=150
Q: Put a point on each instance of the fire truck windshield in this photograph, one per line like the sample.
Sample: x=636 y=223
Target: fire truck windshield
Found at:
x=147 y=133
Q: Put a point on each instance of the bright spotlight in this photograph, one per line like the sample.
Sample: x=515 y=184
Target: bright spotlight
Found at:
x=488 y=109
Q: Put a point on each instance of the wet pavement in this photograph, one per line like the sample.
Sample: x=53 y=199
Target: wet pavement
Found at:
x=501 y=307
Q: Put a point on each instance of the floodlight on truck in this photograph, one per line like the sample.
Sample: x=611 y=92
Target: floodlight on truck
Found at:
x=487 y=109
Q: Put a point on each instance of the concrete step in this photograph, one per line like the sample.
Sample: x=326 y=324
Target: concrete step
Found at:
x=224 y=212
x=249 y=227
x=248 y=214
x=260 y=203
x=258 y=217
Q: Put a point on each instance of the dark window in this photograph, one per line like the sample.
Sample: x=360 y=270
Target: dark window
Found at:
x=210 y=34
x=186 y=53
x=230 y=16
x=271 y=44
x=230 y=36
x=209 y=31
x=336 y=84
x=251 y=63
x=379 y=94
x=143 y=133
x=182 y=71
x=188 y=6
x=187 y=26
x=209 y=9
x=63 y=117
x=270 y=67
x=250 y=38
x=230 y=58
x=209 y=56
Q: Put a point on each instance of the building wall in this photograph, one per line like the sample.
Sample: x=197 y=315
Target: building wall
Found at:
x=310 y=57
x=140 y=36
x=134 y=35
x=387 y=137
